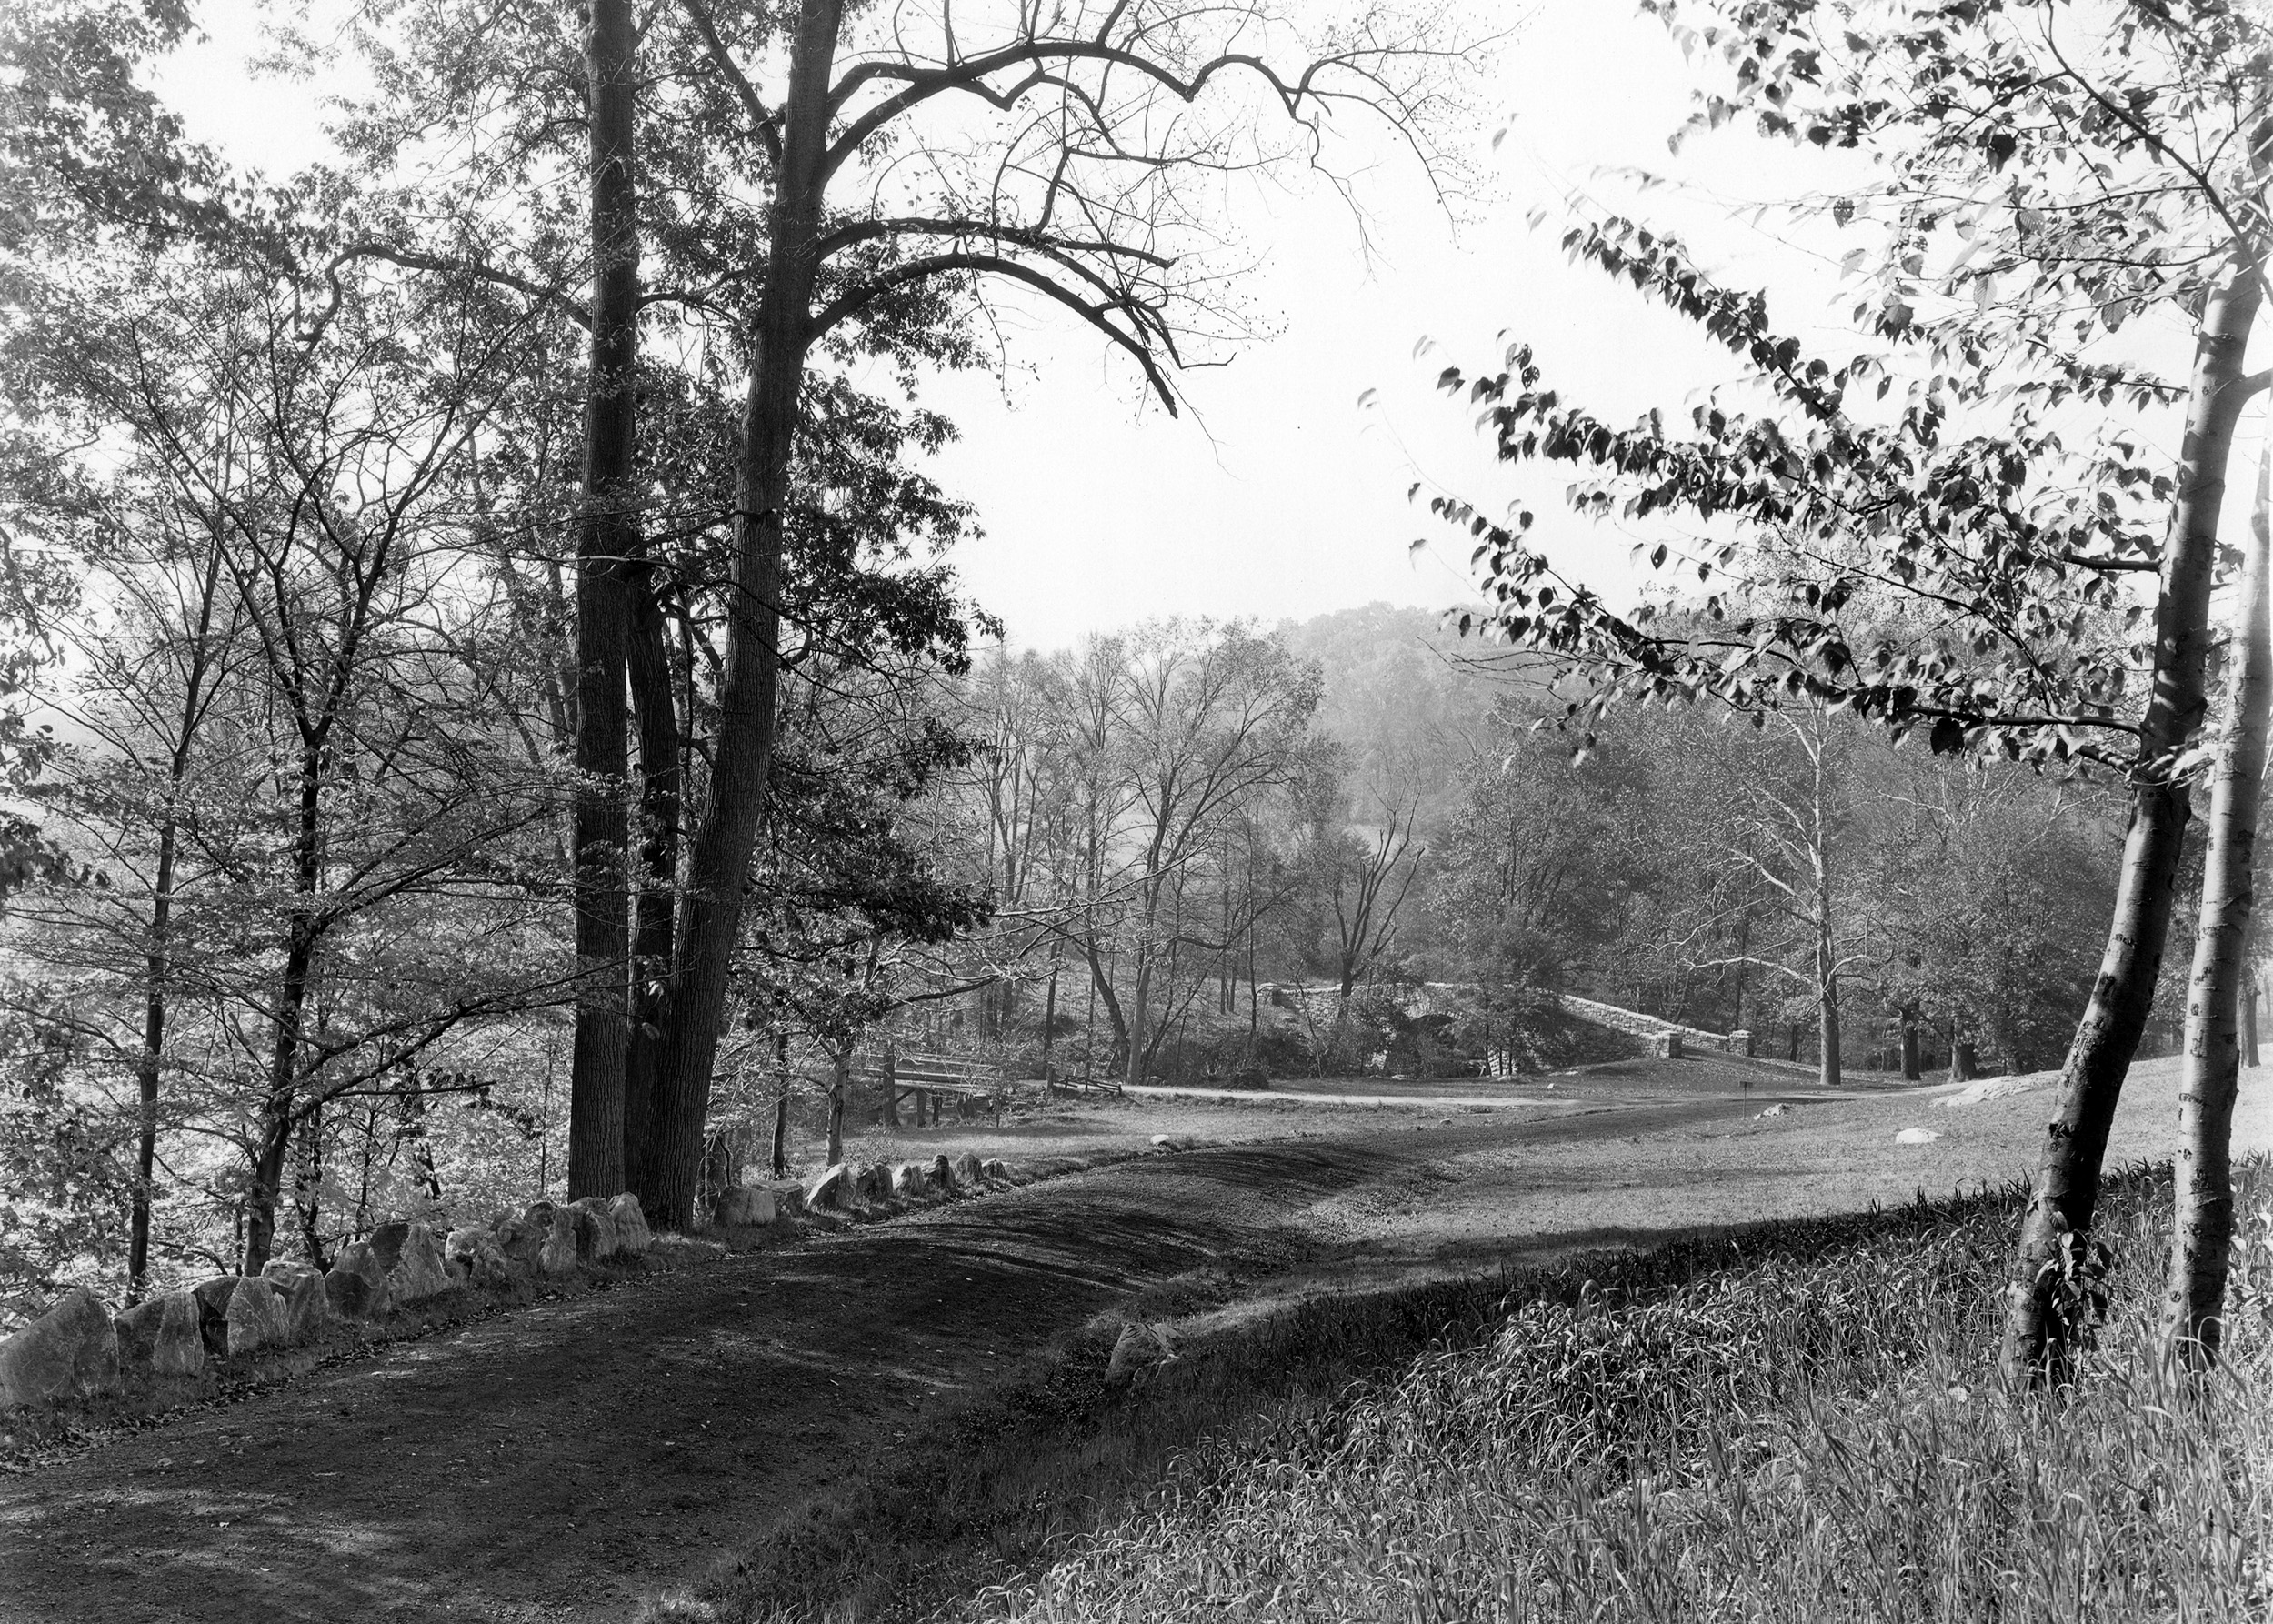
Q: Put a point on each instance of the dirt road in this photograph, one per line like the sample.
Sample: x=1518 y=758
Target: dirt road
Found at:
x=561 y=1463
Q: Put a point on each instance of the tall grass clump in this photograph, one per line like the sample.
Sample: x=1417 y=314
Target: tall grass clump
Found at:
x=1801 y=1424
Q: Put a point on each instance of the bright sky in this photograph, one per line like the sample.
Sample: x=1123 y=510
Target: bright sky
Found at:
x=1279 y=495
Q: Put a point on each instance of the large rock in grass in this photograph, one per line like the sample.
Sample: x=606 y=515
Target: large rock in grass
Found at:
x=633 y=1237
x=213 y=1312
x=942 y=1174
x=475 y=1249
x=419 y=1271
x=540 y=1213
x=911 y=1181
x=875 y=1184
x=355 y=1285
x=558 y=1255
x=595 y=1230
x=69 y=1352
x=1137 y=1351
x=739 y=1205
x=256 y=1317
x=994 y=1170
x=1915 y=1136
x=300 y=1288
x=788 y=1196
x=160 y=1337
x=966 y=1167
x=829 y=1188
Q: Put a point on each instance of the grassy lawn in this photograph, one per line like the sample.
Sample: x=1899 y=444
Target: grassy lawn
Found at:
x=1788 y=1414
x=1792 y=1423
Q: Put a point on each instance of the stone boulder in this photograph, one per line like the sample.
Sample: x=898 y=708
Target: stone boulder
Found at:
x=419 y=1272
x=830 y=1187
x=911 y=1181
x=355 y=1286
x=632 y=1237
x=300 y=1286
x=540 y=1213
x=788 y=1196
x=70 y=1351
x=256 y=1317
x=160 y=1337
x=476 y=1248
x=595 y=1230
x=1777 y=1110
x=1915 y=1136
x=213 y=1312
x=386 y=1244
x=520 y=1240
x=943 y=1175
x=558 y=1255
x=994 y=1170
x=737 y=1205
x=966 y=1171
x=875 y=1184
x=1138 y=1351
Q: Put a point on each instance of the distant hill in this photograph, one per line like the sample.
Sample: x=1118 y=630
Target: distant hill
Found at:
x=1407 y=697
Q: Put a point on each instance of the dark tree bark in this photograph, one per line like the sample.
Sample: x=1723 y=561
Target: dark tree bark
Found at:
x=839 y=1085
x=596 y=1090
x=2202 y=1221
x=1913 y=1063
x=276 y=1117
x=655 y=914
x=720 y=858
x=307 y=1187
x=2066 y=1195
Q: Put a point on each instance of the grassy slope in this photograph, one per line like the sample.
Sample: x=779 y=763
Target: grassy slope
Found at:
x=1796 y=1425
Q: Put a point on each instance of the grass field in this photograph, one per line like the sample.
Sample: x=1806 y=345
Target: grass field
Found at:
x=1788 y=1415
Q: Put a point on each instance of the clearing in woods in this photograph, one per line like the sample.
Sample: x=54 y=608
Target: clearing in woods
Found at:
x=563 y=1462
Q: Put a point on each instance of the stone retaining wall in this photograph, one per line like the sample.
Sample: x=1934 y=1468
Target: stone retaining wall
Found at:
x=81 y=1349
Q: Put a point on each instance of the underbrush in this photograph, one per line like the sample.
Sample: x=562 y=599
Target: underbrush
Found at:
x=1802 y=1425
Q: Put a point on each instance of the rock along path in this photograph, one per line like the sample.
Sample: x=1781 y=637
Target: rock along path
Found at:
x=558 y=1464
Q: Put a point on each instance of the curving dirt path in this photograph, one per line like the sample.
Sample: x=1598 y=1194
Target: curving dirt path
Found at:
x=558 y=1464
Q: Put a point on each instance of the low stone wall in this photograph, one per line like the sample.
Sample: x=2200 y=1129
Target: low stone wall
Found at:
x=81 y=1349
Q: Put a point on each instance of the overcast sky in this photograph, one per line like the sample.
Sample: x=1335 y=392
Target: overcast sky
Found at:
x=1277 y=494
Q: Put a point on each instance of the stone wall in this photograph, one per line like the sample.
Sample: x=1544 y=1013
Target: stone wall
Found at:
x=81 y=1349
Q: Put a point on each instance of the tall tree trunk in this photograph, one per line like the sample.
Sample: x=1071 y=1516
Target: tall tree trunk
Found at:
x=1913 y=1063
x=1827 y=1072
x=655 y=914
x=146 y=1064
x=2202 y=1224
x=604 y=547
x=1050 y=1020
x=720 y=859
x=2250 y=1017
x=277 y=1115
x=2066 y=1195
x=839 y=1085
x=1101 y=988
x=158 y=964
x=307 y=1187
x=1140 y=993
